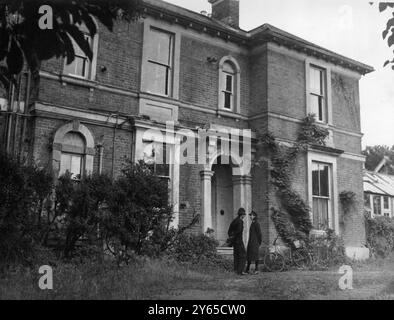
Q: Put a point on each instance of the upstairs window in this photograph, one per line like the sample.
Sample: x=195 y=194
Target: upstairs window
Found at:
x=317 y=88
x=321 y=193
x=81 y=66
x=228 y=86
x=160 y=62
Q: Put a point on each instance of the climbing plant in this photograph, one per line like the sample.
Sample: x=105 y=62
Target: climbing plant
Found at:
x=292 y=219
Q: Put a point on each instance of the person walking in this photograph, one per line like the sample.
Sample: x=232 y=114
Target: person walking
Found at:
x=254 y=243
x=235 y=233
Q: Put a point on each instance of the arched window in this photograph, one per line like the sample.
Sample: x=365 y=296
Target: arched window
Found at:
x=73 y=150
x=229 y=85
x=82 y=66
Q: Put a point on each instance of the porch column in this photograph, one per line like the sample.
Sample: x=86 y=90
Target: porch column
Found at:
x=240 y=201
x=206 y=192
x=247 y=188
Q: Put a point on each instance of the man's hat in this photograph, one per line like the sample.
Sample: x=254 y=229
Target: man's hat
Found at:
x=241 y=212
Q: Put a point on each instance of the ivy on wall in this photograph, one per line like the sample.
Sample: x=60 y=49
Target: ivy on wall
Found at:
x=292 y=219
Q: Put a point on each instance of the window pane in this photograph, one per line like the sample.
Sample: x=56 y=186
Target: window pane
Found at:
x=316 y=81
x=317 y=107
x=65 y=164
x=75 y=166
x=158 y=79
x=315 y=179
x=386 y=203
x=377 y=205
x=324 y=181
x=229 y=83
x=367 y=200
x=227 y=100
x=320 y=213
x=74 y=139
x=160 y=47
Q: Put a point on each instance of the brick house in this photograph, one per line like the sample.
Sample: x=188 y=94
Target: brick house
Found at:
x=201 y=71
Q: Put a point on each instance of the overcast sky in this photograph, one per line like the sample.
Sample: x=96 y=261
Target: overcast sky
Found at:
x=349 y=27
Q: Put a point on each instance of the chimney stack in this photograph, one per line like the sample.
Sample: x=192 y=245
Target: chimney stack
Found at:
x=226 y=11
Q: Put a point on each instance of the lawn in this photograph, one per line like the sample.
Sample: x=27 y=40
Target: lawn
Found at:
x=154 y=279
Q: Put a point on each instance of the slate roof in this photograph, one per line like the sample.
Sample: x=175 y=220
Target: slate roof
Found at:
x=378 y=183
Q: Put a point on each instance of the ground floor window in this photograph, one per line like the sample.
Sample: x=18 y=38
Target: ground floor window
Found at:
x=71 y=163
x=321 y=194
x=381 y=205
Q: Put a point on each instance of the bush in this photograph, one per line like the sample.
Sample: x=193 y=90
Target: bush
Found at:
x=199 y=250
x=23 y=190
x=138 y=216
x=327 y=251
x=380 y=235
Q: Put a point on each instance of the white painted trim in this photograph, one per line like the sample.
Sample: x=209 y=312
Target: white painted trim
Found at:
x=144 y=109
x=160 y=136
x=332 y=160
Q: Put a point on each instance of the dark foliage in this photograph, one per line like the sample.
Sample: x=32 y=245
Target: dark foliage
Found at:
x=23 y=41
x=388 y=33
x=380 y=235
x=375 y=155
x=23 y=190
x=292 y=220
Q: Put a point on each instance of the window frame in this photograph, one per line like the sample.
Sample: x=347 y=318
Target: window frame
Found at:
x=176 y=32
x=91 y=65
x=321 y=197
x=321 y=115
x=168 y=67
x=331 y=161
x=325 y=69
x=75 y=177
x=235 y=93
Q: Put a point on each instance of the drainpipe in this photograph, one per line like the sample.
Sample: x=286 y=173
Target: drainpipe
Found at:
x=17 y=116
x=24 y=126
x=113 y=147
x=9 y=119
x=101 y=154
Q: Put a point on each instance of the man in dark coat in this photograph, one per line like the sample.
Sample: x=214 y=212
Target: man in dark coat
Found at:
x=235 y=233
x=254 y=243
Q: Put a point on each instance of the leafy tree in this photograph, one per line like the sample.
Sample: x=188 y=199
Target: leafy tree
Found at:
x=375 y=155
x=23 y=42
x=388 y=33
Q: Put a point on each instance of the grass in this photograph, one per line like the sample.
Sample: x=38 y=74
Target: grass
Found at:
x=146 y=279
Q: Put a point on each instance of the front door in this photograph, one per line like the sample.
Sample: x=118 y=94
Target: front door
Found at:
x=222 y=201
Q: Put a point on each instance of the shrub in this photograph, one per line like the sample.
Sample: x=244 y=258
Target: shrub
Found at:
x=23 y=190
x=327 y=251
x=138 y=216
x=380 y=235
x=199 y=250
